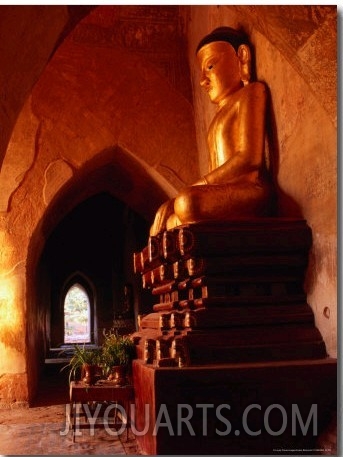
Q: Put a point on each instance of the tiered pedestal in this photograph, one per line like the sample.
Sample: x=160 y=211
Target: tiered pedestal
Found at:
x=227 y=294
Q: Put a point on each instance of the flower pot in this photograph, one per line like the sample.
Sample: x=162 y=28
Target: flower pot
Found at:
x=118 y=375
x=89 y=373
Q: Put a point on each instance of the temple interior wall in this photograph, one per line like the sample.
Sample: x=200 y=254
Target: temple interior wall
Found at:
x=84 y=113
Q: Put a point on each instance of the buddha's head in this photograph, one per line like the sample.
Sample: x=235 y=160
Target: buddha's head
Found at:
x=224 y=57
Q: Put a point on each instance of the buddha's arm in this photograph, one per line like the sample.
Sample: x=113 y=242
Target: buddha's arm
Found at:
x=244 y=135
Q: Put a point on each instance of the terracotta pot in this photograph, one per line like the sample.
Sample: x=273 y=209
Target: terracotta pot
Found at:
x=89 y=373
x=118 y=375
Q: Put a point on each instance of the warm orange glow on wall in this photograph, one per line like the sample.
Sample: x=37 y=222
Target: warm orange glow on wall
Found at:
x=12 y=349
x=8 y=312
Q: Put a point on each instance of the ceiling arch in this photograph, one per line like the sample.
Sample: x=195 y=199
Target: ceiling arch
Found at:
x=90 y=98
x=158 y=38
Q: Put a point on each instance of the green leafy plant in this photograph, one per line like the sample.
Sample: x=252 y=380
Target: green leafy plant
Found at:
x=82 y=356
x=116 y=350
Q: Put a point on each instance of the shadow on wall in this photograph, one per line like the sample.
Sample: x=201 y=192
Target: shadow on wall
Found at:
x=284 y=203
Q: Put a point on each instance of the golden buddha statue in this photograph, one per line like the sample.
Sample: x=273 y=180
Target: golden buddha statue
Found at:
x=238 y=185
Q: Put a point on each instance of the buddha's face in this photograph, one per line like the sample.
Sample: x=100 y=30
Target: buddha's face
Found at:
x=220 y=70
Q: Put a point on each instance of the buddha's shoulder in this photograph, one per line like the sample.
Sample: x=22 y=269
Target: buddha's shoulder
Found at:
x=255 y=89
x=251 y=94
x=254 y=93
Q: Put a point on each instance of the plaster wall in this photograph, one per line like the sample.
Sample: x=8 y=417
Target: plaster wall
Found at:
x=301 y=123
x=22 y=65
x=99 y=119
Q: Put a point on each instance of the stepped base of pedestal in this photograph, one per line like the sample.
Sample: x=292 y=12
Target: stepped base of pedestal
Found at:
x=247 y=334
x=224 y=409
x=228 y=292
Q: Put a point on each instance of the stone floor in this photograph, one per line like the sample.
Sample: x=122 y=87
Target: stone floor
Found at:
x=38 y=430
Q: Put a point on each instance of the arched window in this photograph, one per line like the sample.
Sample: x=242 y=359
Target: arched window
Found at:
x=77 y=315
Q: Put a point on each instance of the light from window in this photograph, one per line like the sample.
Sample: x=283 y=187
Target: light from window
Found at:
x=77 y=315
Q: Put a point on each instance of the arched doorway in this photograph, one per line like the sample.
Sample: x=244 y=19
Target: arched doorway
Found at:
x=89 y=257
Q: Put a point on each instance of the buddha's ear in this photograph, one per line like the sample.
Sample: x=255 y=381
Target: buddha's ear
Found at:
x=244 y=56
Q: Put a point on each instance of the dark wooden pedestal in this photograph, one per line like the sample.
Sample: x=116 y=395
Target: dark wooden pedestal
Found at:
x=234 y=409
x=230 y=359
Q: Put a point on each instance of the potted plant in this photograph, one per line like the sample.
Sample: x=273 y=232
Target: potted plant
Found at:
x=86 y=362
x=117 y=353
